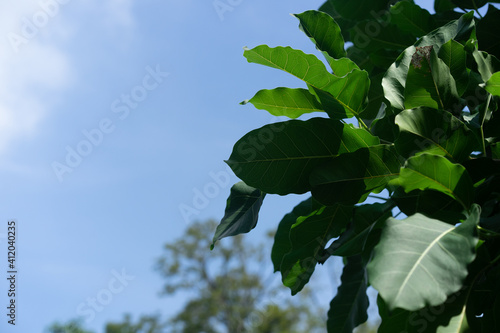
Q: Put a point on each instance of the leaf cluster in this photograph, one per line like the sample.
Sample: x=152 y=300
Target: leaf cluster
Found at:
x=407 y=108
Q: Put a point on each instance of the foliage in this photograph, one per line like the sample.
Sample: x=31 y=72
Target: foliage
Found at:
x=407 y=108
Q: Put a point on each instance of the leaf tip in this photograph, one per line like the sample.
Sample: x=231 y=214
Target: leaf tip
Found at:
x=244 y=102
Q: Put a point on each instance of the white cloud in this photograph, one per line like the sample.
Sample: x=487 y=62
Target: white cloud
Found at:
x=35 y=69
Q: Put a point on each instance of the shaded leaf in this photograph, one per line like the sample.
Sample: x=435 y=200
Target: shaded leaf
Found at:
x=454 y=56
x=421 y=261
x=282 y=243
x=278 y=158
x=411 y=18
x=308 y=237
x=349 y=307
x=487 y=31
x=346 y=178
x=242 y=212
x=371 y=36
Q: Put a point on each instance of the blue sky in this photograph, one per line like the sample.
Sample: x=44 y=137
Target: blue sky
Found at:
x=146 y=93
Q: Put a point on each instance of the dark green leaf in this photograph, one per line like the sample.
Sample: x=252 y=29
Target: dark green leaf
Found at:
x=434 y=131
x=470 y=4
x=352 y=9
x=346 y=178
x=349 y=307
x=435 y=172
x=411 y=18
x=443 y=5
x=282 y=244
x=420 y=261
x=372 y=36
x=487 y=32
x=286 y=102
x=308 y=237
x=279 y=158
x=487 y=64
x=242 y=211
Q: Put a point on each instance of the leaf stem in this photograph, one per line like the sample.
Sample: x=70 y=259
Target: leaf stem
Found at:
x=362 y=124
x=482 y=123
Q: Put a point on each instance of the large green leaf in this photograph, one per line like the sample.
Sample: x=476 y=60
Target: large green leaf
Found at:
x=394 y=80
x=493 y=84
x=429 y=82
x=282 y=243
x=487 y=64
x=435 y=172
x=470 y=4
x=349 y=307
x=411 y=18
x=346 y=178
x=278 y=158
x=454 y=56
x=286 y=102
x=443 y=6
x=421 y=261
x=433 y=131
x=349 y=91
x=242 y=211
x=308 y=238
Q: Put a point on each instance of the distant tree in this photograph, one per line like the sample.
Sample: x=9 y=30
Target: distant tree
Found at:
x=146 y=324
x=231 y=294
x=73 y=326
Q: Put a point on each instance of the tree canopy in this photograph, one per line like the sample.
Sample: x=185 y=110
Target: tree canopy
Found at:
x=405 y=124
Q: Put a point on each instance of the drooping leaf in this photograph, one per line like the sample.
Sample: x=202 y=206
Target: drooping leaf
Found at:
x=349 y=307
x=282 y=243
x=435 y=172
x=279 y=157
x=346 y=178
x=242 y=211
x=308 y=238
x=429 y=82
x=394 y=80
x=487 y=64
x=286 y=102
x=349 y=91
x=421 y=261
x=433 y=131
x=493 y=84
x=411 y=18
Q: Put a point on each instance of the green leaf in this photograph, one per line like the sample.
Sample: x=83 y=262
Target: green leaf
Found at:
x=470 y=4
x=308 y=237
x=394 y=80
x=282 y=243
x=242 y=211
x=383 y=37
x=435 y=172
x=443 y=5
x=454 y=56
x=349 y=91
x=278 y=158
x=286 y=102
x=433 y=131
x=366 y=219
x=324 y=32
x=346 y=178
x=429 y=82
x=411 y=18
x=487 y=64
x=352 y=9
x=420 y=261
x=487 y=31
x=493 y=84
x=349 y=307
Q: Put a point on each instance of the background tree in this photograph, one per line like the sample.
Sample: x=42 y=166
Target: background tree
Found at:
x=409 y=117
